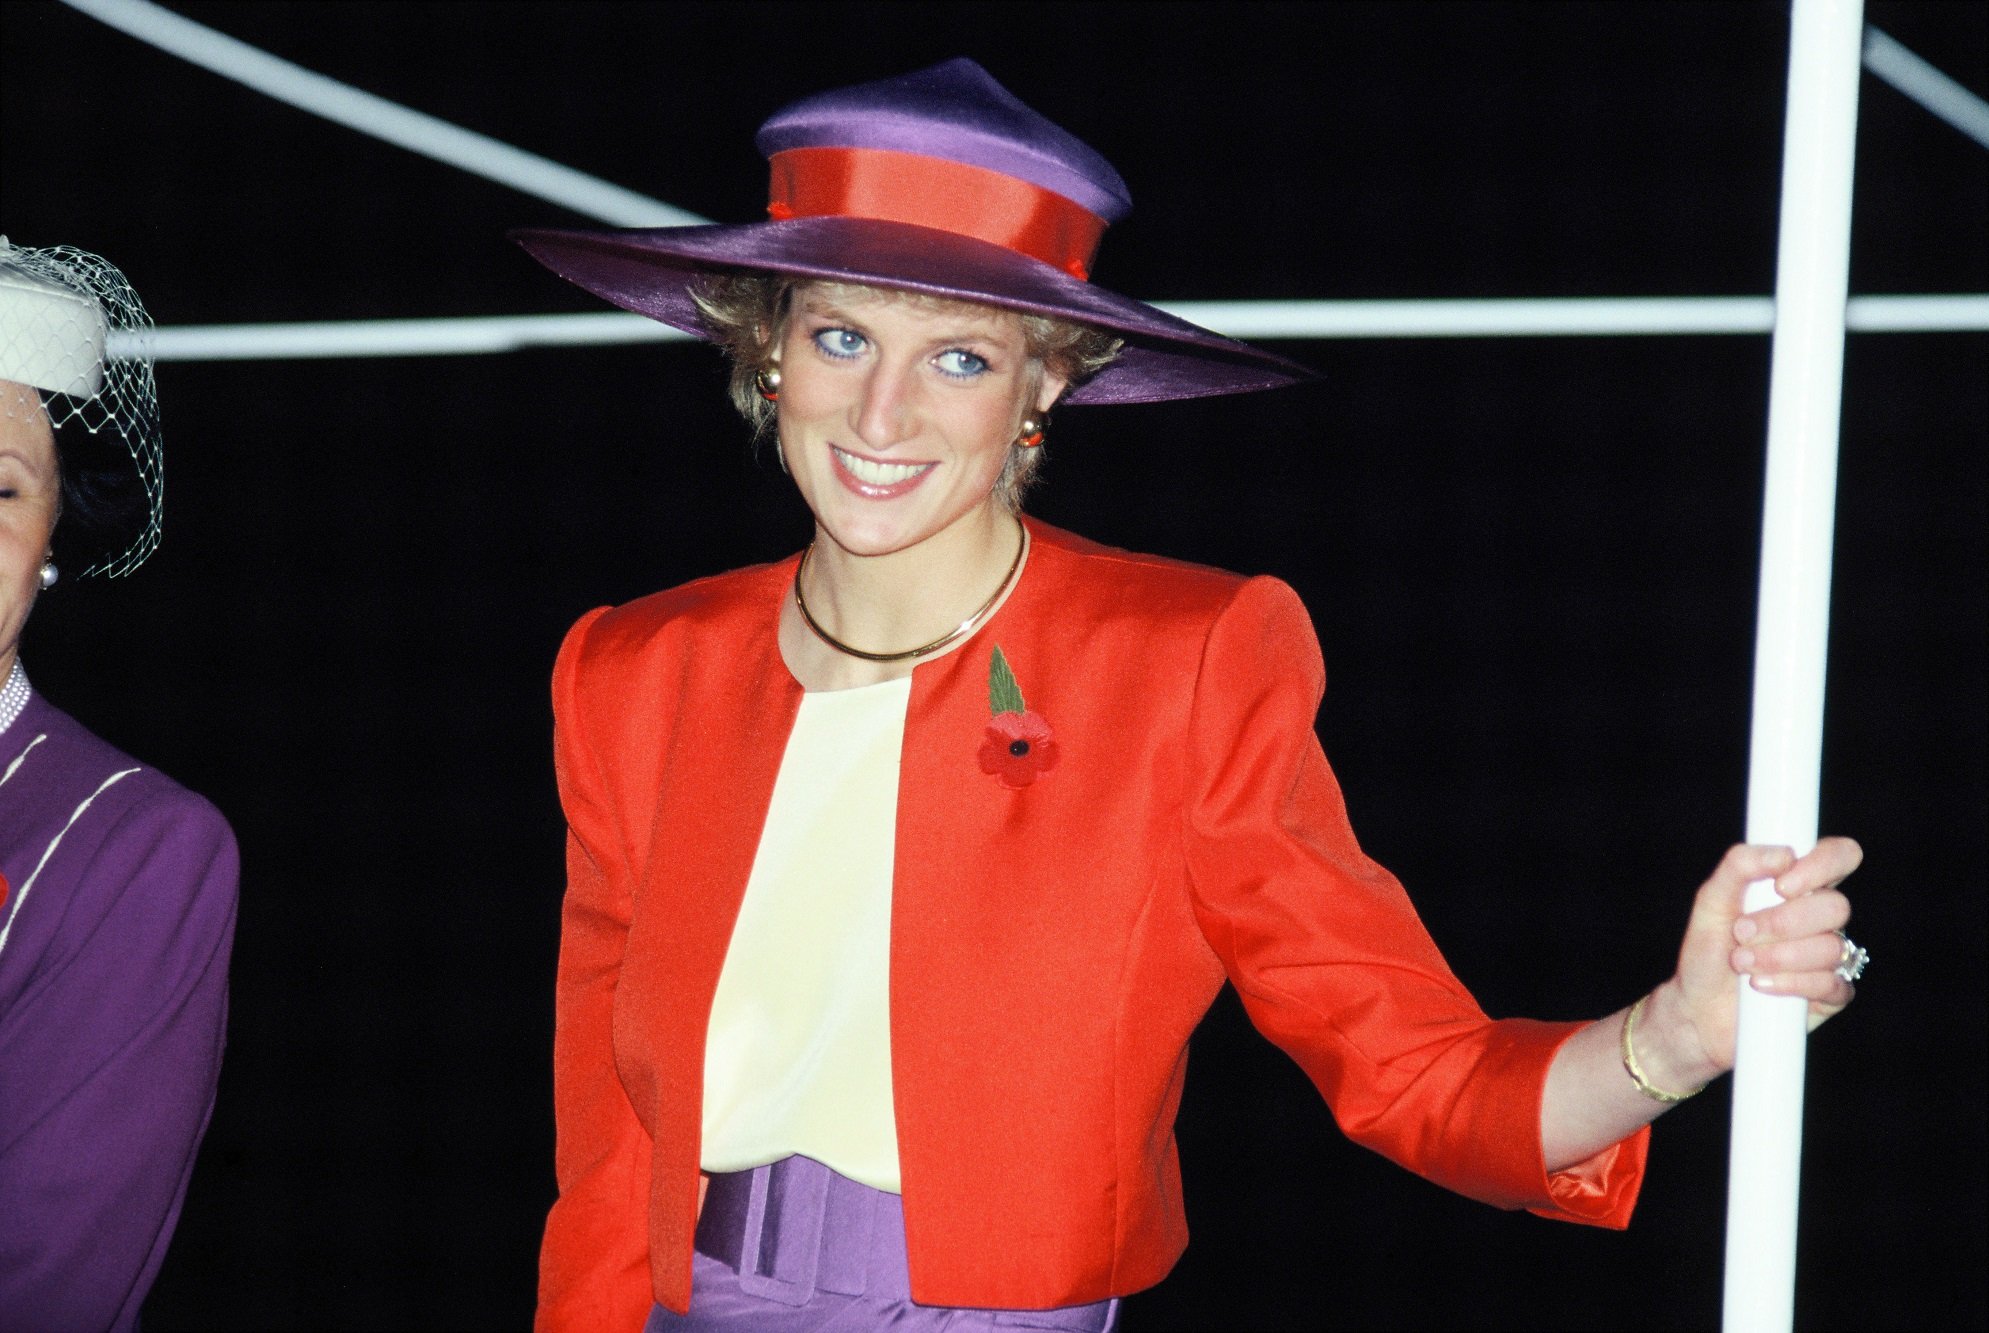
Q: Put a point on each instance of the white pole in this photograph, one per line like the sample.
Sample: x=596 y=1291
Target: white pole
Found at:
x=1791 y=632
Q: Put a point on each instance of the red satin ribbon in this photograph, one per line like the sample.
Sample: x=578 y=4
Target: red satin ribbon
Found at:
x=932 y=192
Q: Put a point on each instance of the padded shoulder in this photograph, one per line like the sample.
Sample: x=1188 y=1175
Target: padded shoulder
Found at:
x=1169 y=599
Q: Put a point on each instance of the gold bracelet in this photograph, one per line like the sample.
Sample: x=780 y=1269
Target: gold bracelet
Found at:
x=1636 y=1073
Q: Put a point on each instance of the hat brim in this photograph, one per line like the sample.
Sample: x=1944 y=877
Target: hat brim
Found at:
x=651 y=271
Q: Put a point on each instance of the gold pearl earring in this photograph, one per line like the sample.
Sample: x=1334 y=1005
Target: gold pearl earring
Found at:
x=1030 y=434
x=767 y=383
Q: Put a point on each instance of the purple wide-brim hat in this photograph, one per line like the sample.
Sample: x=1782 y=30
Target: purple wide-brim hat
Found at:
x=939 y=182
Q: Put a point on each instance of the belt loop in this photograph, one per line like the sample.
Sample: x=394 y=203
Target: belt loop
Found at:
x=888 y=1276
x=752 y=1234
x=784 y=1231
x=848 y=1216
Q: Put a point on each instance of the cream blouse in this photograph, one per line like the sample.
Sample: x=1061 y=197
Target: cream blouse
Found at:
x=798 y=1054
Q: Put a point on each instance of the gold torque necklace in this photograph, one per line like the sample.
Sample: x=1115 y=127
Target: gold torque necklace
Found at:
x=951 y=637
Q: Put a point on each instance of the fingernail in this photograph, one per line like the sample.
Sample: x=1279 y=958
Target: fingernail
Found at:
x=1762 y=983
x=1745 y=929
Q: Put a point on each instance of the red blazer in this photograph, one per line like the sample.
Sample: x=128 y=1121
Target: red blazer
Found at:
x=1052 y=945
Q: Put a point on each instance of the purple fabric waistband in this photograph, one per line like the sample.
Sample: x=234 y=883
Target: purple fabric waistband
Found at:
x=795 y=1228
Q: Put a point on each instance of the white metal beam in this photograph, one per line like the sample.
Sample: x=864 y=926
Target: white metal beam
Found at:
x=1892 y=62
x=1259 y=320
x=478 y=154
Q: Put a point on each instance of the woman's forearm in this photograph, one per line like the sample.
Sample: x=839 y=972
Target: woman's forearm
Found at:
x=1592 y=1102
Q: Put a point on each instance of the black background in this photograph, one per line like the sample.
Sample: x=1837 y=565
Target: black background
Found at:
x=1531 y=563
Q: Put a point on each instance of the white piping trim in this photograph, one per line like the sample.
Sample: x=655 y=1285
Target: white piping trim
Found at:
x=21 y=758
x=75 y=815
x=478 y=154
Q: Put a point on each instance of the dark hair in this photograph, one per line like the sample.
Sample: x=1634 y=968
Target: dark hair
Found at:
x=104 y=507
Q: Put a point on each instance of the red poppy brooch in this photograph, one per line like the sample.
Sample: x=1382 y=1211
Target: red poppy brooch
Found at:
x=1019 y=746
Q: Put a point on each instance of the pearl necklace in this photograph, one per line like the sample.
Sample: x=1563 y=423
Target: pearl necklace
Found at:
x=952 y=636
x=13 y=695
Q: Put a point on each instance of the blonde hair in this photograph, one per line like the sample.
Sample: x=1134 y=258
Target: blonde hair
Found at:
x=746 y=314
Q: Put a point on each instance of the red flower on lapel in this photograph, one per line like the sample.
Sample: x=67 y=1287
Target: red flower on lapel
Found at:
x=1019 y=745
x=1018 y=748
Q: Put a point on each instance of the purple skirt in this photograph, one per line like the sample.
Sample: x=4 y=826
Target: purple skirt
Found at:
x=793 y=1246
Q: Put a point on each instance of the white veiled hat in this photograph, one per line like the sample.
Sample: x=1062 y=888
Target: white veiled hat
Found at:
x=72 y=329
x=51 y=336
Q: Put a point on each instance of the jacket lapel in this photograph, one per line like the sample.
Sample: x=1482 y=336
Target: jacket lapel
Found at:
x=735 y=704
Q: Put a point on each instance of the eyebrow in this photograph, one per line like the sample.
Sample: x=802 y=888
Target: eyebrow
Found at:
x=989 y=339
x=815 y=308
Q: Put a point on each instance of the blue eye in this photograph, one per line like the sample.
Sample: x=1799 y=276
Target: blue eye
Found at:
x=842 y=344
x=961 y=365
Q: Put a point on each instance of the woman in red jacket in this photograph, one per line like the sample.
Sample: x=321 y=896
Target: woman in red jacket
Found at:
x=901 y=871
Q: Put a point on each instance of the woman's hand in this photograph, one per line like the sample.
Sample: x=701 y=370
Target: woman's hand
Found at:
x=1684 y=1035
x=1791 y=948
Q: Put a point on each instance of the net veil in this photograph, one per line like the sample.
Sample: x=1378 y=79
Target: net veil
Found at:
x=75 y=344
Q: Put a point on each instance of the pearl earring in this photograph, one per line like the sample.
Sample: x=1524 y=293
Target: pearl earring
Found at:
x=1030 y=434
x=49 y=574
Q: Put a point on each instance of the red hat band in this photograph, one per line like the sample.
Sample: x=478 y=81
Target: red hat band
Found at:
x=933 y=192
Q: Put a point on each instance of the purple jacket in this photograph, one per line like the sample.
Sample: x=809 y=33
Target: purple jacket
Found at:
x=116 y=921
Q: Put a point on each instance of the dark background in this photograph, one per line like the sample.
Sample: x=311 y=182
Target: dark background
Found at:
x=1531 y=563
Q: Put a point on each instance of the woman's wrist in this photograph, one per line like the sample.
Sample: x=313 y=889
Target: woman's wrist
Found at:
x=1663 y=1053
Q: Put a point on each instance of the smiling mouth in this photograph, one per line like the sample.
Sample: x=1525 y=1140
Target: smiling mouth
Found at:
x=879 y=474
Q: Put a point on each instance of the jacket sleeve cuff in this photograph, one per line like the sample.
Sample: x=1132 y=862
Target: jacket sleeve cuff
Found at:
x=1600 y=1190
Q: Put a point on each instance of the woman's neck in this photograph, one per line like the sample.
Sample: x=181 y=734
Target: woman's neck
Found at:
x=893 y=602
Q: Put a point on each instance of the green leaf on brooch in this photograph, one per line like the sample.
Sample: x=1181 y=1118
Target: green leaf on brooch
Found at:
x=1004 y=695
